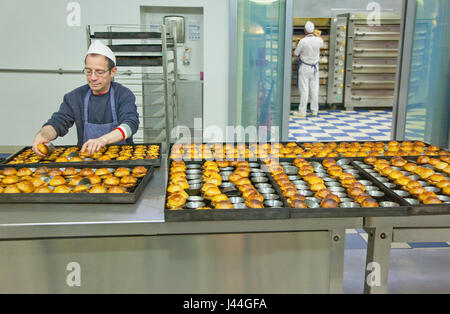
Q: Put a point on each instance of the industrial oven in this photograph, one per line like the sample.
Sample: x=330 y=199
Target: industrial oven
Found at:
x=371 y=62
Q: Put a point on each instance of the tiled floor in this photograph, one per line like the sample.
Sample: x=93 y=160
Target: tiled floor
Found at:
x=341 y=125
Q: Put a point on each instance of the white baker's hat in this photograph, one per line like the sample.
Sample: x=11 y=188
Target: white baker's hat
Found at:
x=309 y=27
x=100 y=48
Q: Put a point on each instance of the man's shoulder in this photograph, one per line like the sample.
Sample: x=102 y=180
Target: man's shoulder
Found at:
x=120 y=87
x=78 y=91
x=122 y=90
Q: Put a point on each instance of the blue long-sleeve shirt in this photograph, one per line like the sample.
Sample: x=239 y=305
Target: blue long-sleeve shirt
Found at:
x=99 y=111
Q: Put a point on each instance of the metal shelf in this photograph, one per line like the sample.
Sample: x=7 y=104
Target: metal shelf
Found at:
x=126 y=35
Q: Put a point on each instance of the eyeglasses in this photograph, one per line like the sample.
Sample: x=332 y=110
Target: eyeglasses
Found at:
x=89 y=72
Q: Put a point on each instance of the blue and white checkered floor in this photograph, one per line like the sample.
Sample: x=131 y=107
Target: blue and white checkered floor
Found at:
x=341 y=125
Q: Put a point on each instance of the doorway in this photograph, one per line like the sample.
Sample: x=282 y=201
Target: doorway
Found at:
x=357 y=70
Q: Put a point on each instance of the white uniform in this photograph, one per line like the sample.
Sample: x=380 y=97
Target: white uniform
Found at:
x=308 y=50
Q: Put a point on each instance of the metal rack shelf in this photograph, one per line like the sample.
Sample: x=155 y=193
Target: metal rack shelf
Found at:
x=371 y=62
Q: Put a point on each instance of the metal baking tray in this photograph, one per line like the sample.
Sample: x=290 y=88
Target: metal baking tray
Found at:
x=102 y=198
x=187 y=214
x=235 y=145
x=153 y=162
x=301 y=144
x=320 y=212
x=416 y=208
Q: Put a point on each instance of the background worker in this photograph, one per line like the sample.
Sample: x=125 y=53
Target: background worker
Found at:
x=308 y=51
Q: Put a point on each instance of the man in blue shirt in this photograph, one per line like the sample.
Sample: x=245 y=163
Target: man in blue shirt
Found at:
x=104 y=111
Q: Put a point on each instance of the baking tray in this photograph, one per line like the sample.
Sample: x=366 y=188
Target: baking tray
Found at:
x=419 y=209
x=320 y=212
x=224 y=214
x=235 y=144
x=301 y=144
x=101 y=198
x=153 y=162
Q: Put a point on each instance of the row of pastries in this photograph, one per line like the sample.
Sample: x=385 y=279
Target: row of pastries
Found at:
x=220 y=151
x=113 y=152
x=235 y=152
x=414 y=187
x=55 y=180
x=287 y=188
x=355 y=189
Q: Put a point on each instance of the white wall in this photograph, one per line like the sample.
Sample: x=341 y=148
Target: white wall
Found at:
x=35 y=35
x=331 y=8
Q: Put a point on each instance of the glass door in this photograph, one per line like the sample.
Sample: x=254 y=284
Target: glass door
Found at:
x=428 y=99
x=260 y=65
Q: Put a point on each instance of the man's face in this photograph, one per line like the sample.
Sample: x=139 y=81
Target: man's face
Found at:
x=98 y=75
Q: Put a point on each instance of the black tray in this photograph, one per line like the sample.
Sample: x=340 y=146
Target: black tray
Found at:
x=210 y=144
x=225 y=214
x=301 y=145
x=321 y=212
x=419 y=209
x=101 y=198
x=153 y=162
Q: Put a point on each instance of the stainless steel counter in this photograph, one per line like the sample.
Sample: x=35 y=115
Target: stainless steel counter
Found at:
x=130 y=248
x=61 y=220
x=146 y=217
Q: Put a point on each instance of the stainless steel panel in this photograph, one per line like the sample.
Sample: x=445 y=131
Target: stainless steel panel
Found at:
x=374 y=52
x=381 y=29
x=336 y=81
x=369 y=97
x=379 y=62
x=287 y=262
x=380 y=33
x=373 y=68
x=176 y=24
x=370 y=81
x=190 y=103
x=385 y=17
x=380 y=94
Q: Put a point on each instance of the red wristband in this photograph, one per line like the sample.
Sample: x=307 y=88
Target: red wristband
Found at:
x=121 y=131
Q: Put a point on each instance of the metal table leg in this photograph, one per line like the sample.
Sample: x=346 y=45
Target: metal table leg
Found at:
x=377 y=261
x=337 y=248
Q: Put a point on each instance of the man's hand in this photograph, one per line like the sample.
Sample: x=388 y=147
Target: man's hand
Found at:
x=94 y=145
x=317 y=32
x=45 y=135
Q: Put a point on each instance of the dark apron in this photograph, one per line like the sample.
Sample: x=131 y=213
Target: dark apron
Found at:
x=92 y=130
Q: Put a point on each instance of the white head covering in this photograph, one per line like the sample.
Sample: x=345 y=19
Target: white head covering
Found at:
x=309 y=27
x=100 y=48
